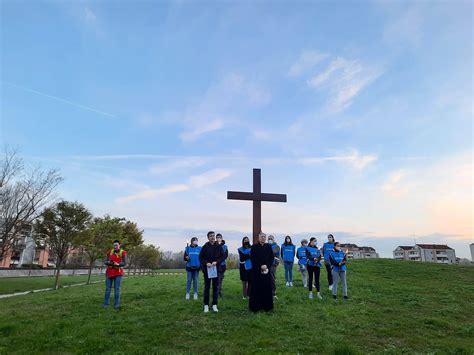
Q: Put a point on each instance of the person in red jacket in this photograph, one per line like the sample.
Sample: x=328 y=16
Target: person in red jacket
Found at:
x=116 y=260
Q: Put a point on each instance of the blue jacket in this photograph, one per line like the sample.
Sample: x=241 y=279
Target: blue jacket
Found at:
x=311 y=254
x=226 y=253
x=193 y=253
x=336 y=258
x=327 y=249
x=244 y=257
x=301 y=255
x=288 y=252
x=276 y=254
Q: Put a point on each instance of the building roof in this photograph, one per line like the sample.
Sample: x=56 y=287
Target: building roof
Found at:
x=434 y=246
x=405 y=247
x=349 y=245
x=354 y=247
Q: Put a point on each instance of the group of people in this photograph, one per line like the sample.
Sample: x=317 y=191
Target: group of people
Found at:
x=258 y=266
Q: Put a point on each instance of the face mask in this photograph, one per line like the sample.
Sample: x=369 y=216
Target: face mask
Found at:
x=270 y=241
x=194 y=243
x=337 y=249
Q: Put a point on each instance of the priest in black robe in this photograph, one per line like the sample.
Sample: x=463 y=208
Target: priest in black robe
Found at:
x=261 y=297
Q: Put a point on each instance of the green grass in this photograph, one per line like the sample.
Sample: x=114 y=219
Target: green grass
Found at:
x=394 y=307
x=20 y=284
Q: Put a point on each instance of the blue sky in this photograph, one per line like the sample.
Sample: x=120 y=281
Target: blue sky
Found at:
x=360 y=111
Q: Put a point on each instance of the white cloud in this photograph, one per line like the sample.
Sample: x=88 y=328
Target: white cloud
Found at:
x=352 y=158
x=394 y=185
x=197 y=131
x=238 y=84
x=177 y=164
x=89 y=15
x=344 y=80
x=194 y=182
x=223 y=105
x=307 y=61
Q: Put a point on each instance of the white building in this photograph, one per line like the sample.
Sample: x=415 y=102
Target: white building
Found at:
x=356 y=252
x=472 y=251
x=435 y=253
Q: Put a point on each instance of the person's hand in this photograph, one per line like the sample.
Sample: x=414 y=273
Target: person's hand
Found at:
x=214 y=263
x=264 y=267
x=116 y=263
x=340 y=264
x=209 y=264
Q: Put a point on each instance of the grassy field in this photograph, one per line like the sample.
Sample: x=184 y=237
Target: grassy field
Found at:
x=20 y=284
x=394 y=307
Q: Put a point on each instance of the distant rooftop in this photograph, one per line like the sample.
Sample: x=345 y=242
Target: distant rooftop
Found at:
x=434 y=246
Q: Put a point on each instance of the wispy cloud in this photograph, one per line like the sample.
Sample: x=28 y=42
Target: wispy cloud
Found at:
x=196 y=132
x=394 y=185
x=194 y=182
x=352 y=158
x=343 y=79
x=175 y=164
x=222 y=106
x=89 y=15
x=307 y=61
x=68 y=102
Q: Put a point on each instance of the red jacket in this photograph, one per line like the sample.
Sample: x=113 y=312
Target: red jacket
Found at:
x=119 y=257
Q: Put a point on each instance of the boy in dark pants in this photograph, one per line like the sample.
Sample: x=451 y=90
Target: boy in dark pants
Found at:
x=211 y=255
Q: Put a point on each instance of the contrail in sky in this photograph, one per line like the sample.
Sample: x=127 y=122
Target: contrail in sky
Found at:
x=60 y=100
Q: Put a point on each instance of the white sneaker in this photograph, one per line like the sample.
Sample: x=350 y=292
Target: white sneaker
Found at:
x=214 y=308
x=275 y=296
x=188 y=296
x=305 y=285
x=244 y=298
x=310 y=295
x=287 y=284
x=291 y=284
x=319 y=296
x=330 y=287
x=206 y=309
x=195 y=296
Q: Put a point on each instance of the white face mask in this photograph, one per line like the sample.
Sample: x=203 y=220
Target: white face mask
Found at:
x=194 y=242
x=270 y=241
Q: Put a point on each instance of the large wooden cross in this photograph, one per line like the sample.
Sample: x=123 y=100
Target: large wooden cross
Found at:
x=257 y=197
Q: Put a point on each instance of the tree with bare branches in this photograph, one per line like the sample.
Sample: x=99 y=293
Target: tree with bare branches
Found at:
x=24 y=193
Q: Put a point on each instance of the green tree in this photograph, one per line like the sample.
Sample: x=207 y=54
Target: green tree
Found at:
x=146 y=257
x=61 y=227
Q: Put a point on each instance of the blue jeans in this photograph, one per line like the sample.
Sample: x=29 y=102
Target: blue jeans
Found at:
x=116 y=281
x=193 y=276
x=288 y=271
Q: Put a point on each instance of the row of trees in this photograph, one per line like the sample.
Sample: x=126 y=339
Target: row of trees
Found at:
x=27 y=199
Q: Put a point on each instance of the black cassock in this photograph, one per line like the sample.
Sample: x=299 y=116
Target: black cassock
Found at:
x=261 y=297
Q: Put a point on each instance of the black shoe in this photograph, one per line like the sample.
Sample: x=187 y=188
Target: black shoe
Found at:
x=335 y=297
x=220 y=294
x=346 y=298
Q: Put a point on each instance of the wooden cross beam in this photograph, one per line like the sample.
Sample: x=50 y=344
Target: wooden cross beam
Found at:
x=257 y=197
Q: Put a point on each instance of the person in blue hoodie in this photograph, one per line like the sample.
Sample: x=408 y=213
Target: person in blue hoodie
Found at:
x=191 y=256
x=328 y=247
x=338 y=260
x=302 y=261
x=245 y=266
x=223 y=264
x=313 y=254
x=288 y=255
